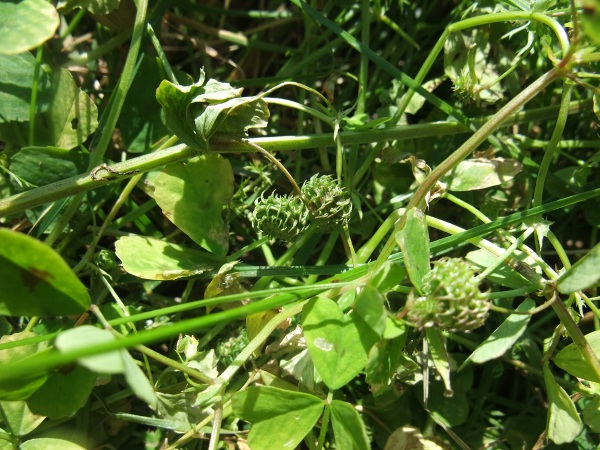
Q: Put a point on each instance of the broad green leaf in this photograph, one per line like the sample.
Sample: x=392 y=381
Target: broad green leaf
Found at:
x=69 y=116
x=348 y=427
x=481 y=173
x=440 y=357
x=179 y=410
x=36 y=280
x=280 y=418
x=502 y=275
x=338 y=344
x=256 y=322
x=44 y=165
x=50 y=444
x=504 y=337
x=113 y=362
x=19 y=418
x=137 y=381
x=72 y=116
x=571 y=359
x=23 y=387
x=87 y=336
x=154 y=259
x=369 y=306
x=413 y=239
x=93 y=6
x=26 y=24
x=175 y=101
x=16 y=73
x=563 y=423
x=232 y=119
x=583 y=274
x=452 y=411
x=195 y=196
x=387 y=277
x=591 y=414
x=144 y=123
x=50 y=400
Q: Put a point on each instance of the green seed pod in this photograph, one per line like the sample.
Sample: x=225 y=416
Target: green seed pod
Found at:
x=280 y=217
x=451 y=298
x=106 y=260
x=329 y=204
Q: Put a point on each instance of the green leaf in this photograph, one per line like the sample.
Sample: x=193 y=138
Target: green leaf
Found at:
x=154 y=259
x=144 y=123
x=338 y=344
x=481 y=173
x=387 y=277
x=591 y=414
x=87 y=336
x=137 y=381
x=583 y=274
x=72 y=115
x=20 y=420
x=26 y=24
x=504 y=337
x=113 y=362
x=348 y=427
x=452 y=411
x=232 y=119
x=16 y=73
x=23 y=387
x=563 y=423
x=280 y=418
x=36 y=280
x=571 y=359
x=50 y=400
x=194 y=197
x=503 y=274
x=44 y=165
x=413 y=239
x=440 y=357
x=66 y=115
x=369 y=306
x=175 y=101
x=50 y=444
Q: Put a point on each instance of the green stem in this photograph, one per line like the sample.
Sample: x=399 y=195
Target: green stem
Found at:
x=465 y=149
x=325 y=421
x=575 y=333
x=34 y=94
x=109 y=118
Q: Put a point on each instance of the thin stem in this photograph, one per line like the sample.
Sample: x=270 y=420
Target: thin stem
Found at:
x=465 y=149
x=280 y=166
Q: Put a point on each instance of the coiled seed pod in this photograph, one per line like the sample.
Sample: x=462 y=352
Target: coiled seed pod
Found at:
x=280 y=217
x=329 y=204
x=451 y=298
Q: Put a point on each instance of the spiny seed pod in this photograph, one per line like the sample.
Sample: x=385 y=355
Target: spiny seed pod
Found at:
x=280 y=217
x=329 y=204
x=451 y=298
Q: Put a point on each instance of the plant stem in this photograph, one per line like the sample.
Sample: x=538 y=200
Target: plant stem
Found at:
x=465 y=149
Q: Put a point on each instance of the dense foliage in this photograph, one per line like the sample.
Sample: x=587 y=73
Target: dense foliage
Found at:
x=312 y=225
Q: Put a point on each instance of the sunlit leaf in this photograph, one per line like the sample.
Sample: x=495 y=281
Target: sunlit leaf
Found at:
x=571 y=359
x=413 y=239
x=348 y=427
x=23 y=387
x=280 y=418
x=563 y=424
x=583 y=274
x=25 y=25
x=196 y=197
x=481 y=173
x=154 y=259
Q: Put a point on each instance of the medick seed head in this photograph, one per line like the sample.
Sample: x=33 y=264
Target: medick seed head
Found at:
x=280 y=217
x=329 y=204
x=451 y=298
